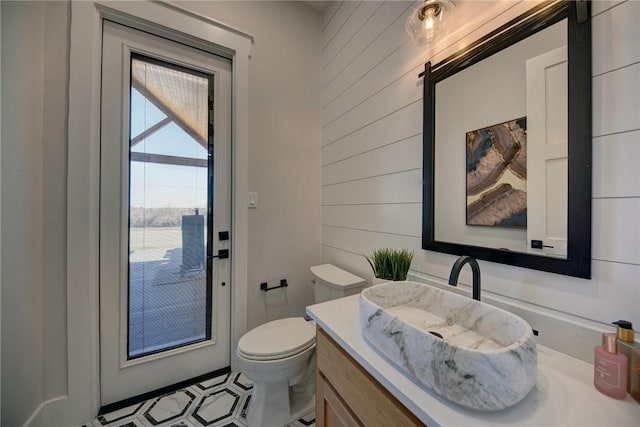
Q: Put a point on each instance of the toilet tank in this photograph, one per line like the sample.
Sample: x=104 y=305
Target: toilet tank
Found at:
x=331 y=282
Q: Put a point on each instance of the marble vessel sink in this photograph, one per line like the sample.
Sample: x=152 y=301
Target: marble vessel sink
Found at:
x=469 y=352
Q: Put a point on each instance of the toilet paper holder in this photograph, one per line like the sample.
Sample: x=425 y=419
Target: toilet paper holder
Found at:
x=264 y=286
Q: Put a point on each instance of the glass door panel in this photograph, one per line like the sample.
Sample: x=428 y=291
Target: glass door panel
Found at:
x=169 y=289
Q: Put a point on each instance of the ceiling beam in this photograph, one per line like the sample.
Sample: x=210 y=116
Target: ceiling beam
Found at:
x=167 y=160
x=153 y=129
x=168 y=112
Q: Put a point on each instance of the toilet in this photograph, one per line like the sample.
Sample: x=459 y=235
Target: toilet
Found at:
x=279 y=356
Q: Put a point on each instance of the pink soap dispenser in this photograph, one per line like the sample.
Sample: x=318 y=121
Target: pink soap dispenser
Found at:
x=610 y=368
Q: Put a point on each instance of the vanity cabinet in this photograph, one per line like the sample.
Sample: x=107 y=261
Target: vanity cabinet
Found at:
x=347 y=395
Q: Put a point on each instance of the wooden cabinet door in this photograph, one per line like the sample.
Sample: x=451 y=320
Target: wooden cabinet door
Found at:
x=330 y=409
x=355 y=389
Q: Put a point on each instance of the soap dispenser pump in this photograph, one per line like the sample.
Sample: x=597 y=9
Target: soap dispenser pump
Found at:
x=626 y=344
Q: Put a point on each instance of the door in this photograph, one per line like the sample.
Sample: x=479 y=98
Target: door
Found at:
x=547 y=153
x=164 y=209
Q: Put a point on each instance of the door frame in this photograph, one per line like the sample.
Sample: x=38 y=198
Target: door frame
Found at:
x=123 y=376
x=83 y=180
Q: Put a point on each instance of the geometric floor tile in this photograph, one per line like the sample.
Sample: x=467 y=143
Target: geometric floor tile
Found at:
x=181 y=423
x=307 y=420
x=245 y=406
x=216 y=406
x=218 y=402
x=132 y=423
x=241 y=381
x=214 y=382
x=169 y=407
x=112 y=418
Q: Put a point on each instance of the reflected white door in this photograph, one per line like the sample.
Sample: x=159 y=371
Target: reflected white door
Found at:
x=547 y=152
x=164 y=199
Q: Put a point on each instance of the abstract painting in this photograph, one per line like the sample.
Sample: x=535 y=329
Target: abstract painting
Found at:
x=497 y=175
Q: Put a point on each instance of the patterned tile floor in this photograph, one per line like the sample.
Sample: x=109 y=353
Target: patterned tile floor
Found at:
x=221 y=401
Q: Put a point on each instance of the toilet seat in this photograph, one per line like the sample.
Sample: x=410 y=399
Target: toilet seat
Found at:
x=277 y=339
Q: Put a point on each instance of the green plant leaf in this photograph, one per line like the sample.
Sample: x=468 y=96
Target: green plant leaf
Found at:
x=390 y=264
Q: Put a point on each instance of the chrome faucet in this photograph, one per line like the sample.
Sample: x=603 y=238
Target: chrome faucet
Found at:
x=475 y=268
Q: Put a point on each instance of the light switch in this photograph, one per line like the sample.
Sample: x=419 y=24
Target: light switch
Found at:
x=253 y=200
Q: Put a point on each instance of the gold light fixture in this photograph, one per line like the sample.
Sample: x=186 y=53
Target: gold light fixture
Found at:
x=426 y=21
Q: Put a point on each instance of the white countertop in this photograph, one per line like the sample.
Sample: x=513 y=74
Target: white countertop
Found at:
x=563 y=396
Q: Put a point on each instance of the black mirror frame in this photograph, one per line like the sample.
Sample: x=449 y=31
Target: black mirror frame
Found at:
x=578 y=261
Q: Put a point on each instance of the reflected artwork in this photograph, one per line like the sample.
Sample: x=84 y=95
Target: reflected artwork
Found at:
x=497 y=175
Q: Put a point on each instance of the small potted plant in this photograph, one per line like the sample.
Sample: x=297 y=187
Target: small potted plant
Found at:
x=389 y=264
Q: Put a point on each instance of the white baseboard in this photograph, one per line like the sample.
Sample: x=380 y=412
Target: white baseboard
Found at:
x=60 y=411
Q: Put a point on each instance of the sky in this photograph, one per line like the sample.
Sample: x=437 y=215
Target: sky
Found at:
x=155 y=185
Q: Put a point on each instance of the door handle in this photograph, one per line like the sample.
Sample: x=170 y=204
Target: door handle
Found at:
x=222 y=254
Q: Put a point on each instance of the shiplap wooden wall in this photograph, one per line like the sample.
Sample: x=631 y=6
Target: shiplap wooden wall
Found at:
x=372 y=152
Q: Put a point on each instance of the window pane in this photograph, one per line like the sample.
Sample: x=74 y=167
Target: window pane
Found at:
x=163 y=141
x=169 y=303
x=143 y=114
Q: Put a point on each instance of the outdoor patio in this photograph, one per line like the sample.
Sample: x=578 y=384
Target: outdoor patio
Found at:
x=167 y=304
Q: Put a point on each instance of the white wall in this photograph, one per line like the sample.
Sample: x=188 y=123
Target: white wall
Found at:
x=35 y=59
x=372 y=154
x=22 y=215
x=54 y=230
x=284 y=149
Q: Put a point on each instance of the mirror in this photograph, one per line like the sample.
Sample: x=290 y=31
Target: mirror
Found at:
x=507 y=144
